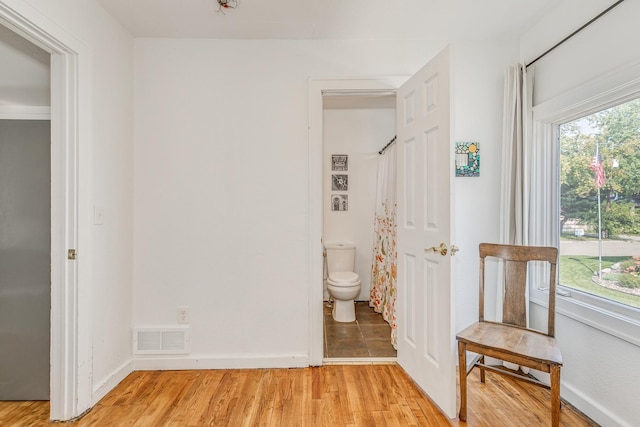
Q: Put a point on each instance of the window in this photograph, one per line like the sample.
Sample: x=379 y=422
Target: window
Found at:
x=600 y=204
x=598 y=120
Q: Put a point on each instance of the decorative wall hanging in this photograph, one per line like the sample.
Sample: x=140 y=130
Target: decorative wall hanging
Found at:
x=467 y=159
x=339 y=162
x=226 y=4
x=340 y=182
x=339 y=202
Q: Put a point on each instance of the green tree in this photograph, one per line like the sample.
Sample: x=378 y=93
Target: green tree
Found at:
x=621 y=218
x=616 y=134
x=576 y=179
x=619 y=139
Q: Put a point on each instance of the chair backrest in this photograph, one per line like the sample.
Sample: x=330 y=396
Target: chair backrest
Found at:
x=516 y=259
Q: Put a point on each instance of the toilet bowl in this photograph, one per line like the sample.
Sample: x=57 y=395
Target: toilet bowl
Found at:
x=343 y=284
x=344 y=287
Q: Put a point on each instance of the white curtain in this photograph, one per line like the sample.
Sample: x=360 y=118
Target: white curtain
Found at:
x=516 y=143
x=385 y=255
x=517 y=150
x=529 y=190
x=516 y=157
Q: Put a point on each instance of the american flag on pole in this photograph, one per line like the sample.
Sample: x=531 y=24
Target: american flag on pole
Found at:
x=598 y=168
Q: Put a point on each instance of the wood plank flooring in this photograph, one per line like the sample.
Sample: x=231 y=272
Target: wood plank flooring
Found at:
x=332 y=395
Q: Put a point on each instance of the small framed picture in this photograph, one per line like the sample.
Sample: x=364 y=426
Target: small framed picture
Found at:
x=339 y=162
x=467 y=159
x=339 y=182
x=339 y=202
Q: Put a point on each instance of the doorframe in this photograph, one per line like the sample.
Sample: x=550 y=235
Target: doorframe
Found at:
x=317 y=88
x=71 y=201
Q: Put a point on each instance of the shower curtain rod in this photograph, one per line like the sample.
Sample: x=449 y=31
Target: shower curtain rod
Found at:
x=574 y=33
x=388 y=145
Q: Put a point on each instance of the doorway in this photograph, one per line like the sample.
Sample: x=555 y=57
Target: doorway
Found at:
x=318 y=89
x=355 y=128
x=70 y=352
x=425 y=337
x=25 y=219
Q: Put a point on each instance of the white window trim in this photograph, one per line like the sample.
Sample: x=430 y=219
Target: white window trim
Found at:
x=611 y=89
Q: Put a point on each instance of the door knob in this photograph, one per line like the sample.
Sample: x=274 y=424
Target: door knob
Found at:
x=454 y=249
x=442 y=249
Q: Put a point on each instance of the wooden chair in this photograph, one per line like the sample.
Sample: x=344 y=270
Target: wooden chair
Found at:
x=511 y=340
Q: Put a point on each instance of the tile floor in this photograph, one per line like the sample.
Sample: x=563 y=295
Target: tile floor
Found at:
x=368 y=336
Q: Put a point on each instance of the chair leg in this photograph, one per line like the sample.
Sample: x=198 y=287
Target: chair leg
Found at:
x=462 y=368
x=555 y=395
x=481 y=360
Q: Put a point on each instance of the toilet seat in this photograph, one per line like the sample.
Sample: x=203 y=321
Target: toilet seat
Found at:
x=344 y=278
x=343 y=287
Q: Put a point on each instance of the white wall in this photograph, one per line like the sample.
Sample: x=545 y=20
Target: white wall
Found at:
x=600 y=374
x=113 y=194
x=608 y=44
x=221 y=183
x=25 y=71
x=360 y=133
x=110 y=118
x=478 y=75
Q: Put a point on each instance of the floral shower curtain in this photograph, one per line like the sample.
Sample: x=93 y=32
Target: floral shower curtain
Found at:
x=383 y=275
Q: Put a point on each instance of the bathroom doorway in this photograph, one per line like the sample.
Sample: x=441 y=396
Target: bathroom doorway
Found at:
x=355 y=127
x=424 y=308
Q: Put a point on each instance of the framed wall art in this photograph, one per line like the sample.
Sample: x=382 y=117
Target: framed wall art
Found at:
x=467 y=155
x=339 y=202
x=339 y=162
x=339 y=182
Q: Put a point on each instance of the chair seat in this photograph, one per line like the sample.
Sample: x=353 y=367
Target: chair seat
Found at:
x=524 y=346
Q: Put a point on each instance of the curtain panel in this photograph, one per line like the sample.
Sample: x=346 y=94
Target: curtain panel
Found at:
x=521 y=161
x=516 y=157
x=385 y=254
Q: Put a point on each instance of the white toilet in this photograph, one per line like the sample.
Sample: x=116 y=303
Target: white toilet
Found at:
x=343 y=283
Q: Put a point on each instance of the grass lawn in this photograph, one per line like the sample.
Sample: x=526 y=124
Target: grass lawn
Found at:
x=576 y=272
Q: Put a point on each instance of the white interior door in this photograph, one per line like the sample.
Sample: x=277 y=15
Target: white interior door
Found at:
x=426 y=339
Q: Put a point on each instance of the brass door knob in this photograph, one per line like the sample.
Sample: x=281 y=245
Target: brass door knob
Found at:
x=442 y=249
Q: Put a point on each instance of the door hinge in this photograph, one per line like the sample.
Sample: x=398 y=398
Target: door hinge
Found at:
x=72 y=254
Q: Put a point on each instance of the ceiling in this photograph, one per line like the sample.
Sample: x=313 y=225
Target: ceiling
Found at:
x=330 y=19
x=24 y=75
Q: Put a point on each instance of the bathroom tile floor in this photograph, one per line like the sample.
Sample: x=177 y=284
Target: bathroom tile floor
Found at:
x=368 y=336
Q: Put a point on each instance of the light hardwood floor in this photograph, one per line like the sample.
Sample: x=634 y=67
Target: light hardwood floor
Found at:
x=332 y=395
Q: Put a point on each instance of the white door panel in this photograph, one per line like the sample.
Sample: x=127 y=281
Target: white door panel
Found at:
x=426 y=338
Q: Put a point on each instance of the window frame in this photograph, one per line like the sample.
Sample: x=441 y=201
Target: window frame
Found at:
x=612 y=89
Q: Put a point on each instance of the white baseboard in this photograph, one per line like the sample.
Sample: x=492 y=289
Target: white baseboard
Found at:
x=592 y=409
x=164 y=363
x=111 y=381
x=360 y=361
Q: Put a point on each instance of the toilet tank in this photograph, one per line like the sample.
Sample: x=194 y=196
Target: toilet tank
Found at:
x=341 y=256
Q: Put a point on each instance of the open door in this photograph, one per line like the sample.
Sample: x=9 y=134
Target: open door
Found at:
x=426 y=340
